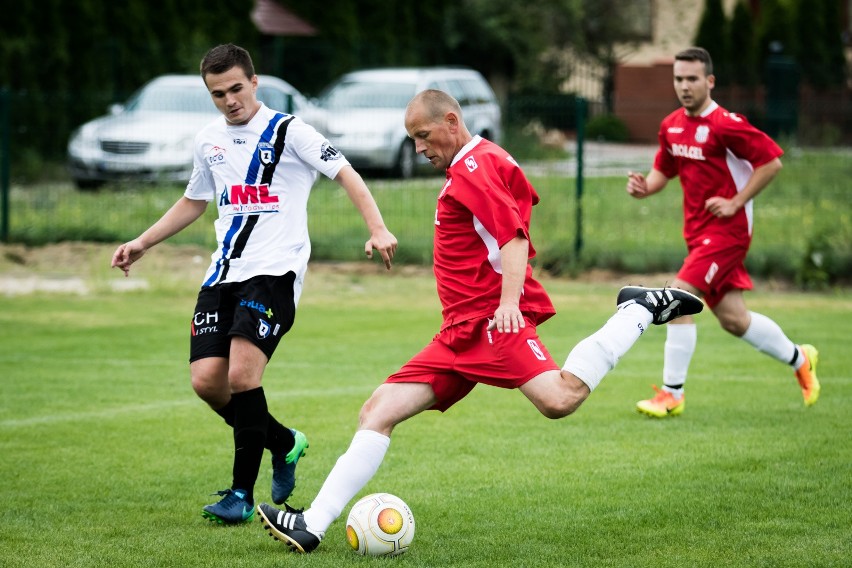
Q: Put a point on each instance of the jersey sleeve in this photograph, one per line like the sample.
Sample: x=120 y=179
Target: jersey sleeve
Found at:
x=488 y=194
x=314 y=149
x=201 y=185
x=664 y=162
x=747 y=142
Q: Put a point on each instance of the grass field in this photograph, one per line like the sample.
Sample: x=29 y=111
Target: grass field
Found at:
x=108 y=457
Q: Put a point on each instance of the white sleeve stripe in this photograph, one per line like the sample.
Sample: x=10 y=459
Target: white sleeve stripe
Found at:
x=490 y=244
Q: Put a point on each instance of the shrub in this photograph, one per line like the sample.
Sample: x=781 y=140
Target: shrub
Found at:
x=607 y=127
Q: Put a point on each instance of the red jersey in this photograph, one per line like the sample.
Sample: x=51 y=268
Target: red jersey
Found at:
x=485 y=203
x=714 y=154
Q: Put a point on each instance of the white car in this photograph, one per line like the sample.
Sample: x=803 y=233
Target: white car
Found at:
x=150 y=138
x=363 y=113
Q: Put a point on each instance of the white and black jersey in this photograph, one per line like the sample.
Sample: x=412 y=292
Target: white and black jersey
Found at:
x=260 y=175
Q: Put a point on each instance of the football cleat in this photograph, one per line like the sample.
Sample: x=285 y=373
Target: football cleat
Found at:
x=284 y=469
x=289 y=527
x=806 y=374
x=232 y=509
x=662 y=405
x=665 y=304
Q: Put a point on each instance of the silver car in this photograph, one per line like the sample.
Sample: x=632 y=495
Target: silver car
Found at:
x=363 y=113
x=150 y=138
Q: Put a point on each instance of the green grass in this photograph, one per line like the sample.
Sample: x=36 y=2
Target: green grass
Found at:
x=108 y=456
x=803 y=222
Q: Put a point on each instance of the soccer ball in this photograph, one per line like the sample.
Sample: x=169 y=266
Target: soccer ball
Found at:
x=380 y=524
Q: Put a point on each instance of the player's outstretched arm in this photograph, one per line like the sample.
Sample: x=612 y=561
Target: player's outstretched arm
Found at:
x=180 y=216
x=381 y=239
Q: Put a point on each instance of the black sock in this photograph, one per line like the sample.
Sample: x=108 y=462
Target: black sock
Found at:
x=251 y=419
x=279 y=438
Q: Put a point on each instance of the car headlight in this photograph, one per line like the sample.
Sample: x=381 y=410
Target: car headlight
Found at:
x=82 y=138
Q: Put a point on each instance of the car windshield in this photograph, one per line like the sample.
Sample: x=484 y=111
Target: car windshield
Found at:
x=354 y=94
x=172 y=99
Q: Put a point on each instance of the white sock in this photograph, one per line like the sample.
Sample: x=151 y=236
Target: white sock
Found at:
x=350 y=474
x=596 y=355
x=680 y=345
x=767 y=337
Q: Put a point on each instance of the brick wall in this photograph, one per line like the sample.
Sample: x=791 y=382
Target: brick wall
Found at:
x=644 y=95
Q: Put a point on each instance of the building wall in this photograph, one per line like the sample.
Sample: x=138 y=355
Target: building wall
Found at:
x=673 y=27
x=644 y=94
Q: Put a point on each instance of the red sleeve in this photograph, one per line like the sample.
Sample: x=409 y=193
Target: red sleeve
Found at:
x=491 y=194
x=747 y=142
x=664 y=161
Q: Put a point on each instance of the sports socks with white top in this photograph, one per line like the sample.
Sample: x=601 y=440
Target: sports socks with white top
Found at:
x=677 y=353
x=597 y=354
x=763 y=334
x=350 y=474
x=767 y=337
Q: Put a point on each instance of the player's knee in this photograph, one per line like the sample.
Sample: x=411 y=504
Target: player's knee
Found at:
x=560 y=406
x=734 y=326
x=209 y=391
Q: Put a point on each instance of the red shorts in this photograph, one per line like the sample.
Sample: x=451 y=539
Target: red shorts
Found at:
x=465 y=354
x=716 y=267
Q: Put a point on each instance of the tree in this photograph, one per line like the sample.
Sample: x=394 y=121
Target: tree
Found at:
x=743 y=65
x=712 y=35
x=820 y=47
x=775 y=32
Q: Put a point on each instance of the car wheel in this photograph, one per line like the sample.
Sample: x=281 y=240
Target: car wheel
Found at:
x=405 y=160
x=88 y=184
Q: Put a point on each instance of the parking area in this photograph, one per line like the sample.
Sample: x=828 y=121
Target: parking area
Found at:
x=599 y=159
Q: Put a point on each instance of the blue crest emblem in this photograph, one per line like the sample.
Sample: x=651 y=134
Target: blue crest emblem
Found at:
x=266 y=153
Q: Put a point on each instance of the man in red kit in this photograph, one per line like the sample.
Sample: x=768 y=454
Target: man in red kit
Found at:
x=491 y=307
x=723 y=162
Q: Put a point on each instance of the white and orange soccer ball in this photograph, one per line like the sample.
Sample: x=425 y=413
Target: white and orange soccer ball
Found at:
x=380 y=524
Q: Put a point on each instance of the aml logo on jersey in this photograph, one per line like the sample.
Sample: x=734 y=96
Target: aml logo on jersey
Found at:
x=701 y=133
x=684 y=151
x=266 y=153
x=249 y=199
x=470 y=163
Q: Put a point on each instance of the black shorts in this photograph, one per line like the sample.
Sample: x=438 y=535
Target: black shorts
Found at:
x=261 y=309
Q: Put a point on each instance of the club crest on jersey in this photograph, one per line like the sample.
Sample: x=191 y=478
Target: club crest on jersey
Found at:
x=215 y=156
x=470 y=163
x=328 y=152
x=266 y=153
x=701 y=133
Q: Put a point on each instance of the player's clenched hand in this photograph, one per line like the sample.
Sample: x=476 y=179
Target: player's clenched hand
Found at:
x=384 y=242
x=507 y=318
x=721 y=207
x=127 y=254
x=637 y=185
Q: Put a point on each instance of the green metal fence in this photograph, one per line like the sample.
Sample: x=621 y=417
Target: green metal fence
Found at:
x=803 y=227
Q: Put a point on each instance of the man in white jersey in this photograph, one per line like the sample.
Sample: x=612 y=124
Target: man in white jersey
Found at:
x=258 y=166
x=723 y=163
x=491 y=308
